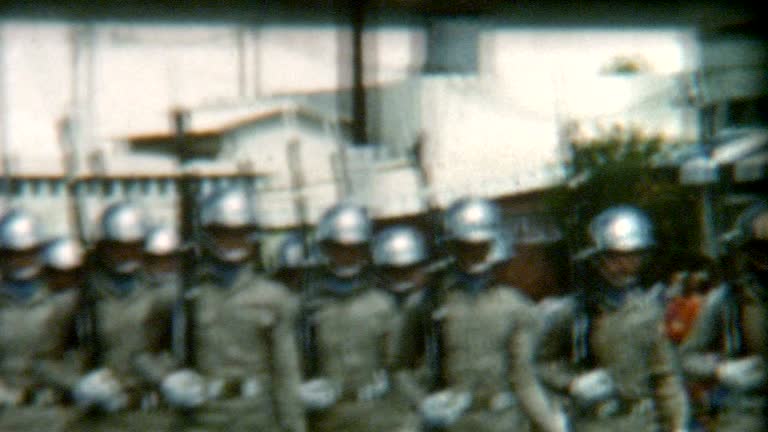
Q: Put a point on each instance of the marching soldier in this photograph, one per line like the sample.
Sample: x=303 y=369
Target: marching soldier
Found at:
x=247 y=374
x=474 y=322
x=63 y=259
x=401 y=257
x=606 y=353
x=134 y=325
x=729 y=343
x=37 y=338
x=350 y=329
x=162 y=257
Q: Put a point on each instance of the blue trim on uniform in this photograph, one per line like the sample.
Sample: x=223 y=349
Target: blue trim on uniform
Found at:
x=22 y=290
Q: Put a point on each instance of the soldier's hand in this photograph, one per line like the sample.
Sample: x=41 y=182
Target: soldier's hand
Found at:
x=100 y=389
x=444 y=408
x=376 y=388
x=184 y=388
x=318 y=394
x=10 y=396
x=592 y=387
x=743 y=374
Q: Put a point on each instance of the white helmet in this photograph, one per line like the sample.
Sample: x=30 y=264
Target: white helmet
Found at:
x=399 y=246
x=63 y=254
x=161 y=241
x=227 y=208
x=292 y=254
x=346 y=224
x=123 y=222
x=621 y=229
x=19 y=231
x=472 y=220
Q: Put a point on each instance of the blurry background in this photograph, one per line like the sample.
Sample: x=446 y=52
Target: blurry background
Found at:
x=401 y=105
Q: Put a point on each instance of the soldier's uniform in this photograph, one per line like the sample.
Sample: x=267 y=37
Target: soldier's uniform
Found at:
x=625 y=339
x=728 y=347
x=353 y=337
x=606 y=351
x=134 y=324
x=479 y=322
x=732 y=327
x=36 y=358
x=246 y=350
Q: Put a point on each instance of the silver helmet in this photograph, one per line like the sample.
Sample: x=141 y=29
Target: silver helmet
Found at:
x=346 y=224
x=63 y=254
x=161 y=241
x=291 y=253
x=621 y=229
x=399 y=246
x=123 y=222
x=19 y=231
x=472 y=220
x=228 y=208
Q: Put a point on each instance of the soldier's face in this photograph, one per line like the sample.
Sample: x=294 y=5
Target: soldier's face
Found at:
x=21 y=265
x=123 y=258
x=231 y=244
x=621 y=269
x=162 y=264
x=347 y=260
x=472 y=257
x=404 y=279
x=62 y=280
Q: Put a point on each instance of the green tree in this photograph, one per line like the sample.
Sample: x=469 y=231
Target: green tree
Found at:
x=615 y=168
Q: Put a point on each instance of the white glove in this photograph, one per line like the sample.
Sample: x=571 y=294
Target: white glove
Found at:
x=592 y=387
x=318 y=394
x=184 y=388
x=10 y=396
x=100 y=389
x=445 y=407
x=560 y=422
x=375 y=389
x=743 y=374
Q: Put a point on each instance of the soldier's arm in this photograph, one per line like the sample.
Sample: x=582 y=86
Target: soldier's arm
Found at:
x=535 y=402
x=62 y=367
x=157 y=360
x=407 y=355
x=669 y=393
x=699 y=352
x=287 y=375
x=553 y=355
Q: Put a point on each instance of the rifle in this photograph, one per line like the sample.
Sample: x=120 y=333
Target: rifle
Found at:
x=184 y=313
x=87 y=322
x=308 y=331
x=435 y=343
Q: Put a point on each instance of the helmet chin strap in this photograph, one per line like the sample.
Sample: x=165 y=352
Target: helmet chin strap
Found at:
x=402 y=287
x=479 y=267
x=346 y=272
x=126 y=267
x=25 y=273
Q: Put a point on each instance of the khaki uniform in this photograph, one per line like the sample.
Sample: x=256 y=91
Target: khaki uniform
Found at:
x=246 y=347
x=732 y=325
x=477 y=334
x=135 y=331
x=626 y=339
x=35 y=358
x=353 y=337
